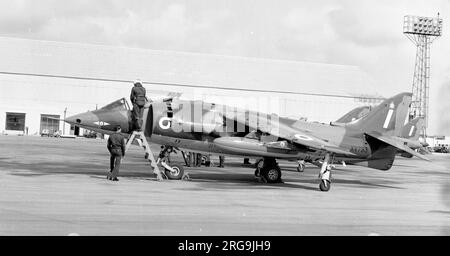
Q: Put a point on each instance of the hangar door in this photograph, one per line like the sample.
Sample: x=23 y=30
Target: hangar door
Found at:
x=74 y=130
x=49 y=123
x=15 y=121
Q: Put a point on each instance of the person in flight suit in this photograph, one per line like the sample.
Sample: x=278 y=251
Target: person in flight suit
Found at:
x=116 y=147
x=221 y=161
x=138 y=99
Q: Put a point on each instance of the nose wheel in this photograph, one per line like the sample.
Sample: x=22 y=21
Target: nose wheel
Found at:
x=173 y=171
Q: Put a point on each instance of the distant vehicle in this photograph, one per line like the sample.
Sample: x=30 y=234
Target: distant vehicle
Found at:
x=90 y=135
x=45 y=132
x=440 y=149
x=57 y=134
x=49 y=133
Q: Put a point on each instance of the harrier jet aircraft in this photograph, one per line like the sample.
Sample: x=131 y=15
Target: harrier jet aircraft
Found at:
x=217 y=129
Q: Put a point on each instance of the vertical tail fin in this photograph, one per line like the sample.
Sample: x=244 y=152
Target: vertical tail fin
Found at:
x=387 y=118
x=413 y=128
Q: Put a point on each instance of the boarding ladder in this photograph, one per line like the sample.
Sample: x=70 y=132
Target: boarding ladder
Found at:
x=142 y=141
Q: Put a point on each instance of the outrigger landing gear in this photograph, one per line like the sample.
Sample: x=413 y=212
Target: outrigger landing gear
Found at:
x=301 y=166
x=325 y=174
x=270 y=172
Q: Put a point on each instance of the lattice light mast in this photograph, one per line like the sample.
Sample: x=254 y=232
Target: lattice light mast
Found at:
x=422 y=31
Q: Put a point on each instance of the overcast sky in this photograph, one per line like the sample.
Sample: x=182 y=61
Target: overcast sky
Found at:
x=364 y=33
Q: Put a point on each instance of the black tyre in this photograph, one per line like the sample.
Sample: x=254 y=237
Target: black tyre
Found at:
x=177 y=174
x=325 y=185
x=271 y=175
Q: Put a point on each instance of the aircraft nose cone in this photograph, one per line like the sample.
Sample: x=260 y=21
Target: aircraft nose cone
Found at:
x=87 y=119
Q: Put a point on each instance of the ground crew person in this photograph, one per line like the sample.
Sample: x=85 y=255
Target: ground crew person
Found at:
x=221 y=161
x=198 y=159
x=116 y=147
x=138 y=99
x=208 y=160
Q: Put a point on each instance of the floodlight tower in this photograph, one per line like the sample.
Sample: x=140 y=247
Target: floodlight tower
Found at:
x=422 y=31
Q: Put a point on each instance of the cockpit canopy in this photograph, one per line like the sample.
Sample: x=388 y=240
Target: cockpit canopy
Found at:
x=117 y=105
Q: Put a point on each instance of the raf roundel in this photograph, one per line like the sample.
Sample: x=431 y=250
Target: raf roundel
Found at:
x=101 y=123
x=302 y=137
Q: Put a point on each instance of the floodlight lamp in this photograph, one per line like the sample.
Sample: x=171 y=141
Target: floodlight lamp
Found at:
x=426 y=26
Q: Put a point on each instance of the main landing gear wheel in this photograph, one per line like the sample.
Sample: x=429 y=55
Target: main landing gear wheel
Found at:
x=271 y=175
x=177 y=172
x=325 y=185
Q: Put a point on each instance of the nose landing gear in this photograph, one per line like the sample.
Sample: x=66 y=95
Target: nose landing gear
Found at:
x=172 y=171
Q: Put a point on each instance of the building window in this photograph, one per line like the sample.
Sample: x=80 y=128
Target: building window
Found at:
x=49 y=123
x=15 y=121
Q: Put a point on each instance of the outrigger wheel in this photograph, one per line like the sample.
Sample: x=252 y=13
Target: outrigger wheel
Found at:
x=325 y=174
x=324 y=185
x=176 y=173
x=301 y=166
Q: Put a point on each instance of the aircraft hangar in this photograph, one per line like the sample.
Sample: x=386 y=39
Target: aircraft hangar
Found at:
x=44 y=80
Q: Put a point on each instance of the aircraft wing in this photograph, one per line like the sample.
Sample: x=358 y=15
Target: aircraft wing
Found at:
x=298 y=137
x=398 y=144
x=305 y=139
x=311 y=141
